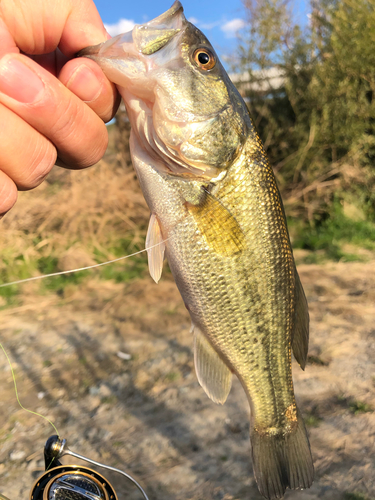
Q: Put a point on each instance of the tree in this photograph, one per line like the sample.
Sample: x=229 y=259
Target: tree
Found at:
x=317 y=121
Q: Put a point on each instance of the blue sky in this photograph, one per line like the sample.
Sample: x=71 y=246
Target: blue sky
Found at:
x=218 y=19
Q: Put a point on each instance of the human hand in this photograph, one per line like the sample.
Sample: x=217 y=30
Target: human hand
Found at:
x=52 y=106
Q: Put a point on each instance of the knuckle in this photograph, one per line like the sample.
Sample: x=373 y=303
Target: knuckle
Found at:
x=98 y=149
x=67 y=116
x=76 y=131
x=42 y=158
x=87 y=145
x=8 y=193
x=107 y=104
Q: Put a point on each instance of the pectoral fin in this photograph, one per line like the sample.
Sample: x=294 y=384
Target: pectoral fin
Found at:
x=300 y=343
x=219 y=227
x=155 y=248
x=212 y=373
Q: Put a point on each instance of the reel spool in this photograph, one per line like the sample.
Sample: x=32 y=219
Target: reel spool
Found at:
x=73 y=482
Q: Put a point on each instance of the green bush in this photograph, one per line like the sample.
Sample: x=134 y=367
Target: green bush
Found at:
x=318 y=125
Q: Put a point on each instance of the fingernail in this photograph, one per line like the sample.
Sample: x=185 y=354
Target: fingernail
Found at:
x=18 y=81
x=84 y=84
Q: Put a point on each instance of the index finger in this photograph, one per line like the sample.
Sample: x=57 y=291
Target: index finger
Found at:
x=39 y=27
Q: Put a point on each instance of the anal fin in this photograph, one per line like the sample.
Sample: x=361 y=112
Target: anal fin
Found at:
x=300 y=343
x=212 y=373
x=155 y=248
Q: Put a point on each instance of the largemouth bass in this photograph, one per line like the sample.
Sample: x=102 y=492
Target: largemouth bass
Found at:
x=217 y=214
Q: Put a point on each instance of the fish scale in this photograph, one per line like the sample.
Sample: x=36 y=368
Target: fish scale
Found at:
x=218 y=322
x=217 y=214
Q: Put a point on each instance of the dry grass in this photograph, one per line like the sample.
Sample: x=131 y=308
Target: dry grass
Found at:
x=78 y=218
x=74 y=217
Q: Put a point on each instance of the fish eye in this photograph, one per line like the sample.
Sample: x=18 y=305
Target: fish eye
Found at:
x=204 y=58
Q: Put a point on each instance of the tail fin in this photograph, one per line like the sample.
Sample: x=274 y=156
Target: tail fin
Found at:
x=282 y=461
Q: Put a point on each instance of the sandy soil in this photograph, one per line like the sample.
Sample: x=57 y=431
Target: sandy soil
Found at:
x=148 y=414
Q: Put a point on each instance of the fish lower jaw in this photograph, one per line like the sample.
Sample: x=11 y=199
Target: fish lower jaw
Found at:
x=169 y=158
x=136 y=102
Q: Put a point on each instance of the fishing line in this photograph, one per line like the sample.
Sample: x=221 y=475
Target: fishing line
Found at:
x=59 y=273
x=17 y=396
x=81 y=268
x=47 y=276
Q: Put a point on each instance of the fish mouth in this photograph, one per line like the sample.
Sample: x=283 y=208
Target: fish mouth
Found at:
x=136 y=62
x=124 y=52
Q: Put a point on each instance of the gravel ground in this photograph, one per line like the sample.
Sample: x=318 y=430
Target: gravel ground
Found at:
x=148 y=415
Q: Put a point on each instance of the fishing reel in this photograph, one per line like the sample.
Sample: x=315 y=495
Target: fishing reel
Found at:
x=73 y=482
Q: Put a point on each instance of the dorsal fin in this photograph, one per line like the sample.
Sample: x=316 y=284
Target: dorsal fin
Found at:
x=300 y=342
x=212 y=373
x=219 y=227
